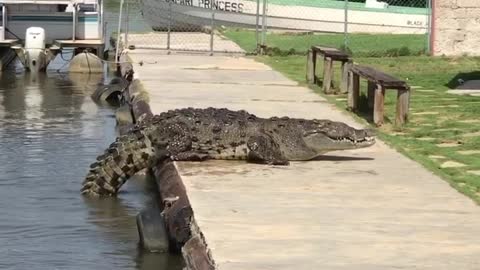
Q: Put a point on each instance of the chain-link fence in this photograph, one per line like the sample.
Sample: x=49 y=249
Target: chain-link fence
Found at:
x=364 y=27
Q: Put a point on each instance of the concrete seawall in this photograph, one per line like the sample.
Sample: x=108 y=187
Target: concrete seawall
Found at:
x=182 y=230
x=362 y=209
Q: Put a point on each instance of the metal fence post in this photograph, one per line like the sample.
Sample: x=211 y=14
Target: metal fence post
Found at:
x=119 y=36
x=169 y=26
x=264 y=23
x=345 y=27
x=127 y=22
x=212 y=26
x=257 y=22
x=429 y=27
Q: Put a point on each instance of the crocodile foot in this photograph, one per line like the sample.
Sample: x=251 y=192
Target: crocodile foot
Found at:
x=264 y=150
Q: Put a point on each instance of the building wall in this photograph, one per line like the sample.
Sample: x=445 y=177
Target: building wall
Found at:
x=456 y=26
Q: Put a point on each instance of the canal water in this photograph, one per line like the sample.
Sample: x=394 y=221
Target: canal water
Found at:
x=50 y=131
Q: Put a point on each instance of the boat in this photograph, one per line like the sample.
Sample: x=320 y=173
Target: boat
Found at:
x=39 y=29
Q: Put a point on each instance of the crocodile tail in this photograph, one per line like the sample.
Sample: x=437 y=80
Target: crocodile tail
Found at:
x=128 y=155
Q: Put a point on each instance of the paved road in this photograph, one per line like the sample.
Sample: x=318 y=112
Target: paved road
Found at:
x=365 y=209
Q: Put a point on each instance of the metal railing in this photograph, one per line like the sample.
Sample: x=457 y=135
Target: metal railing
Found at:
x=288 y=26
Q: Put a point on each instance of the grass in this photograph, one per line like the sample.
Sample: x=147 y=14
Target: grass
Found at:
x=454 y=123
x=361 y=45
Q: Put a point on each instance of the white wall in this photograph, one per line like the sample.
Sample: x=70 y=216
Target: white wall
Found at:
x=456 y=27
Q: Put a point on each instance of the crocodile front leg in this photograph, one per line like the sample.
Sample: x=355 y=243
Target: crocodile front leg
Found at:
x=264 y=150
x=125 y=157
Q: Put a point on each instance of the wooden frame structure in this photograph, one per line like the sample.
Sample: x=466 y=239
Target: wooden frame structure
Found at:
x=378 y=82
x=329 y=56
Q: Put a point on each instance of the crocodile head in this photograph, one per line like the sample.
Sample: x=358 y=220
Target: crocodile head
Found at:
x=324 y=135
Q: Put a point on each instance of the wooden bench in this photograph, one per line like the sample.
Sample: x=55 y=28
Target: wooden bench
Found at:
x=378 y=82
x=329 y=56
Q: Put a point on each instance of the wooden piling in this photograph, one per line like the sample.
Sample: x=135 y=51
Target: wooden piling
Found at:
x=328 y=75
x=353 y=90
x=403 y=100
x=181 y=227
x=371 y=94
x=378 y=110
x=344 y=83
x=310 y=69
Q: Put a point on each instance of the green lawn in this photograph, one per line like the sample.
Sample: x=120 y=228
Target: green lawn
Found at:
x=436 y=117
x=366 y=45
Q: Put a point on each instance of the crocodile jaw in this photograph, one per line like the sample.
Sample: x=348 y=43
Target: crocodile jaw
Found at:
x=322 y=143
x=349 y=143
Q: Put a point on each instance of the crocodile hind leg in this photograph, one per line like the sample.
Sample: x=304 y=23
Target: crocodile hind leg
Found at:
x=264 y=150
x=125 y=157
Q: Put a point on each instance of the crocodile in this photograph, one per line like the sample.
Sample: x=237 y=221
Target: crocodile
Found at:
x=199 y=134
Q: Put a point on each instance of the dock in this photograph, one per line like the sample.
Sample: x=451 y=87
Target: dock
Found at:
x=9 y=43
x=27 y=26
x=370 y=208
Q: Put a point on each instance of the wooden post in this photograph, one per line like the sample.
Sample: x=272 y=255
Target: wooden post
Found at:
x=344 y=84
x=132 y=95
x=182 y=229
x=327 y=75
x=378 y=109
x=314 y=62
x=196 y=255
x=125 y=68
x=371 y=94
x=310 y=67
x=177 y=211
x=403 y=98
x=353 y=90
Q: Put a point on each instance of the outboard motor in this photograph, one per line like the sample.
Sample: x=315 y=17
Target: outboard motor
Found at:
x=35 y=49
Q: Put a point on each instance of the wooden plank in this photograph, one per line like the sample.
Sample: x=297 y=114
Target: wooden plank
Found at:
x=333 y=53
x=345 y=69
x=371 y=94
x=378 y=110
x=353 y=90
x=379 y=77
x=322 y=49
x=337 y=56
x=327 y=75
x=403 y=100
x=310 y=67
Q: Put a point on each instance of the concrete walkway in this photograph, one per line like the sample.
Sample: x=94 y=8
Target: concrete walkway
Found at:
x=365 y=209
x=183 y=41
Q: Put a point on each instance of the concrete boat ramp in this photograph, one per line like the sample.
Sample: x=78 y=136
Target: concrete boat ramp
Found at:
x=365 y=209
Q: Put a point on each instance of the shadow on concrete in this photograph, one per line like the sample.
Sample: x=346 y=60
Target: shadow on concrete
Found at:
x=340 y=158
